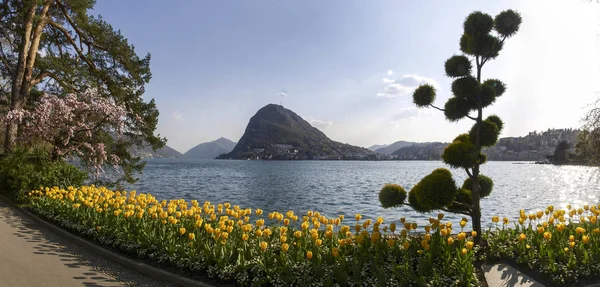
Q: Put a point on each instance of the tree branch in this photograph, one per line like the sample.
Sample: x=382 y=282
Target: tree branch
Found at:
x=5 y=59
x=470 y=117
x=460 y=204
x=469 y=172
x=436 y=107
x=79 y=32
x=456 y=211
x=73 y=44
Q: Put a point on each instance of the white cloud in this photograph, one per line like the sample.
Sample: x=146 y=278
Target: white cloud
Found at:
x=319 y=124
x=177 y=116
x=404 y=85
x=282 y=93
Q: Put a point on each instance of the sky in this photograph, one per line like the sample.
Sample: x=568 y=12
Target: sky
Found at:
x=349 y=66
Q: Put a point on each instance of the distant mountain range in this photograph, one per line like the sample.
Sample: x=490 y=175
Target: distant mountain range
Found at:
x=275 y=132
x=390 y=149
x=210 y=150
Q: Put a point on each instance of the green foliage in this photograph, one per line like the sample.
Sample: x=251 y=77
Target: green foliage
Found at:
x=478 y=24
x=458 y=66
x=461 y=153
x=392 y=195
x=486 y=185
x=436 y=190
x=23 y=171
x=414 y=203
x=456 y=109
x=496 y=120
x=486 y=46
x=507 y=23
x=498 y=85
x=489 y=133
x=466 y=88
x=488 y=95
x=424 y=95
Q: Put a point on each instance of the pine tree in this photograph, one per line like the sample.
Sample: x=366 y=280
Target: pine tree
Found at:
x=438 y=190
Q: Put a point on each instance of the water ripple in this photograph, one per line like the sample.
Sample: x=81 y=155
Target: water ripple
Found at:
x=350 y=187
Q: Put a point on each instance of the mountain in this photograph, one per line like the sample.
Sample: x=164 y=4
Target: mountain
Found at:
x=210 y=150
x=390 y=149
x=377 y=146
x=146 y=152
x=421 y=151
x=275 y=132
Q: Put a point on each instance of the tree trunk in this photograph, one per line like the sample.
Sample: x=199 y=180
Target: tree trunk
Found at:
x=11 y=128
x=476 y=194
x=22 y=85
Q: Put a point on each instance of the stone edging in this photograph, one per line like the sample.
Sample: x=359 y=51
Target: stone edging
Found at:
x=140 y=267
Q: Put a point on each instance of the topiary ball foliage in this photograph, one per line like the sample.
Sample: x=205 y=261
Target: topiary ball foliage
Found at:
x=436 y=190
x=498 y=85
x=466 y=88
x=482 y=158
x=489 y=133
x=478 y=24
x=414 y=203
x=460 y=153
x=424 y=95
x=486 y=185
x=458 y=66
x=392 y=195
x=488 y=95
x=486 y=46
x=496 y=119
x=462 y=196
x=507 y=23
x=456 y=109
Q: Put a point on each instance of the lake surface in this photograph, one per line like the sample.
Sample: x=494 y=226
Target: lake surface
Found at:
x=350 y=187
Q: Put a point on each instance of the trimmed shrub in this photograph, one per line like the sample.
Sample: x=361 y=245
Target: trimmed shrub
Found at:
x=392 y=195
x=486 y=185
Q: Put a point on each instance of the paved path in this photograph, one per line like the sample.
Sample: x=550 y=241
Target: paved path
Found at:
x=30 y=255
x=503 y=275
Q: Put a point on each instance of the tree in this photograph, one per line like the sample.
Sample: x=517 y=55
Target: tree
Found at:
x=560 y=153
x=588 y=141
x=438 y=190
x=56 y=47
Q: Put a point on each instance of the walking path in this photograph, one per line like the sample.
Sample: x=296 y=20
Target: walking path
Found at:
x=503 y=275
x=31 y=255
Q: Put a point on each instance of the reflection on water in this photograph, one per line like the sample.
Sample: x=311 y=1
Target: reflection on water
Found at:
x=350 y=187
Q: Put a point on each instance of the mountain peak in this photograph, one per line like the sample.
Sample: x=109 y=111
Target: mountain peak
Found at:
x=277 y=132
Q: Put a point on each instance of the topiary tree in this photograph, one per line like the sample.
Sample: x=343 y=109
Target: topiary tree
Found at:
x=438 y=190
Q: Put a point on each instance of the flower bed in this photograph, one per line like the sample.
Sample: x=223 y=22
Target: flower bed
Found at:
x=562 y=245
x=246 y=247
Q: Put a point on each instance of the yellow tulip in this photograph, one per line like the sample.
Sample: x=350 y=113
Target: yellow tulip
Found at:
x=585 y=239
x=335 y=252
x=405 y=245
x=390 y=243
x=263 y=245
x=464 y=251
x=245 y=237
x=285 y=247
x=547 y=235
x=191 y=236
x=495 y=219
x=318 y=242
x=522 y=237
x=440 y=216
x=309 y=254
x=181 y=231
x=450 y=240
x=461 y=236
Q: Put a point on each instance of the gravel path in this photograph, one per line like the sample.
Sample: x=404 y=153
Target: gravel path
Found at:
x=31 y=255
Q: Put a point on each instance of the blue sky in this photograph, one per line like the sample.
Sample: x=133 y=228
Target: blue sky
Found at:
x=349 y=67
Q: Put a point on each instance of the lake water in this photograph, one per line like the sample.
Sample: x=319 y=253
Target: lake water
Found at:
x=350 y=187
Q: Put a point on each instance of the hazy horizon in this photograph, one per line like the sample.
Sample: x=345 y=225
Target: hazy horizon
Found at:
x=349 y=67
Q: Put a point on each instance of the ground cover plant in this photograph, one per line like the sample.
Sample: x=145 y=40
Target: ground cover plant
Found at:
x=249 y=248
x=563 y=245
x=278 y=249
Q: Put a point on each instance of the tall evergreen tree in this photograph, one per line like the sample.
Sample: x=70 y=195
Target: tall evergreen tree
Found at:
x=58 y=47
x=438 y=190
